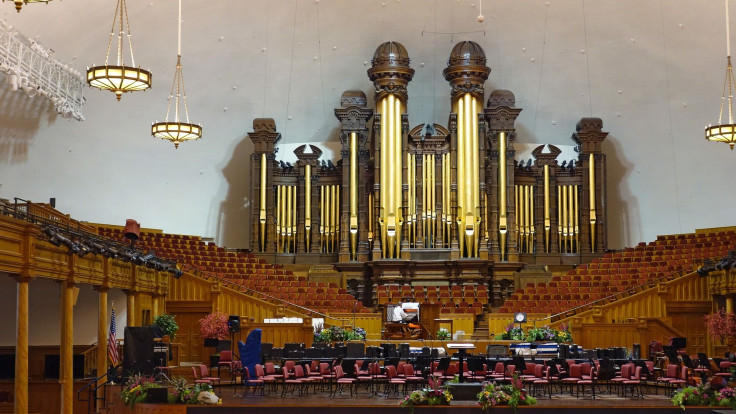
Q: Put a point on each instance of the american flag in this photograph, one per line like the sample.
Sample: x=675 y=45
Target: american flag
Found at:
x=112 y=343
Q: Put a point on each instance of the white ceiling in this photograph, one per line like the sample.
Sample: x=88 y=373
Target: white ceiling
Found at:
x=652 y=70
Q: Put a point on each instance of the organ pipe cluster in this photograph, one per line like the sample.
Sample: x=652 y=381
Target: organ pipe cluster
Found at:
x=455 y=188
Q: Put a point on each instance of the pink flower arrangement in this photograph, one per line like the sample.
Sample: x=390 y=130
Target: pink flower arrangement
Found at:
x=214 y=325
x=722 y=325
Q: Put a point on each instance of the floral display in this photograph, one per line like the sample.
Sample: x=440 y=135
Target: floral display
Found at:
x=214 y=325
x=435 y=394
x=443 y=333
x=512 y=395
x=512 y=333
x=536 y=334
x=338 y=334
x=167 y=323
x=721 y=325
x=184 y=393
x=136 y=389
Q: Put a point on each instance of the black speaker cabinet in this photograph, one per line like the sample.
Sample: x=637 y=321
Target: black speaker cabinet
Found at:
x=157 y=395
x=233 y=323
x=138 y=350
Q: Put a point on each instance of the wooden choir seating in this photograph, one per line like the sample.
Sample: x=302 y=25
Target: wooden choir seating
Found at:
x=620 y=271
x=246 y=270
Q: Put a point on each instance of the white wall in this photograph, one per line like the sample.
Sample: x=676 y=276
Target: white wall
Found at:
x=653 y=71
x=44 y=299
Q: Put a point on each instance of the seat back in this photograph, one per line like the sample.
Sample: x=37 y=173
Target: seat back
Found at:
x=194 y=373
x=204 y=370
x=637 y=374
x=499 y=368
x=576 y=371
x=408 y=370
x=270 y=368
x=260 y=373
x=226 y=356
x=671 y=371
x=298 y=371
x=538 y=370
x=338 y=372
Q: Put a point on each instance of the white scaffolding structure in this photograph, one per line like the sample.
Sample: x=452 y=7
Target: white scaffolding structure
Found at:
x=34 y=70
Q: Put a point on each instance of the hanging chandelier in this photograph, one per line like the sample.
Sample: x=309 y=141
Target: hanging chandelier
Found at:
x=19 y=3
x=725 y=132
x=177 y=131
x=119 y=78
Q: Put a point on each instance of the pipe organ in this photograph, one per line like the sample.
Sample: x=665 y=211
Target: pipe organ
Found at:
x=396 y=192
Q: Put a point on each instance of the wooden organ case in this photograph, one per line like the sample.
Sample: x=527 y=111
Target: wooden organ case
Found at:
x=433 y=202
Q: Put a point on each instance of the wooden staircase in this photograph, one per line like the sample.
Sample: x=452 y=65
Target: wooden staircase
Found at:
x=481 y=331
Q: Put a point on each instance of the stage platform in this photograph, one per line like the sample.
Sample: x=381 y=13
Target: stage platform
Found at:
x=364 y=403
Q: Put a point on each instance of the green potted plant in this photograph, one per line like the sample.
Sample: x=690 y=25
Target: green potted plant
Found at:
x=167 y=324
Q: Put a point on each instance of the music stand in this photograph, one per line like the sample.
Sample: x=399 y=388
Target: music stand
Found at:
x=462 y=352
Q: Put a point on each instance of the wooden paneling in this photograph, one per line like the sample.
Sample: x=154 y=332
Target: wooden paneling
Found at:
x=280 y=333
x=371 y=322
x=45 y=396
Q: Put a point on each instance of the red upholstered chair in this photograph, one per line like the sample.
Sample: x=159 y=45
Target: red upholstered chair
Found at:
x=226 y=360
x=341 y=380
x=634 y=383
x=206 y=376
x=254 y=383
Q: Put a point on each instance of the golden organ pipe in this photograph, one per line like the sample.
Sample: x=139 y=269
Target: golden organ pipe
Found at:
x=531 y=219
x=559 y=219
x=336 y=215
x=547 y=224
x=524 y=195
x=262 y=217
x=577 y=214
x=398 y=176
x=307 y=204
x=353 y=194
x=384 y=184
x=293 y=219
x=279 y=231
x=475 y=174
x=502 y=191
x=288 y=217
x=371 y=210
x=571 y=219
x=321 y=218
x=591 y=178
x=564 y=215
x=425 y=198
x=517 y=209
x=431 y=213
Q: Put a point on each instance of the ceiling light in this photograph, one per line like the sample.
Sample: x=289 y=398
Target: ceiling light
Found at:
x=19 y=3
x=119 y=78
x=725 y=132
x=177 y=131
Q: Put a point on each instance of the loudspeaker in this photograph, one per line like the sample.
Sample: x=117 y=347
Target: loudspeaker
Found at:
x=356 y=350
x=138 y=350
x=157 y=395
x=404 y=350
x=233 y=323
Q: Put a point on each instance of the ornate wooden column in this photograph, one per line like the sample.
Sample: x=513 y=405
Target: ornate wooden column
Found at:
x=501 y=115
x=66 y=369
x=308 y=221
x=353 y=115
x=20 y=384
x=546 y=214
x=102 y=328
x=589 y=136
x=264 y=137
x=21 y=346
x=131 y=310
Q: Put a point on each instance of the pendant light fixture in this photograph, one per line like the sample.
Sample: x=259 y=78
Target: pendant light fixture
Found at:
x=177 y=131
x=725 y=132
x=19 y=3
x=119 y=78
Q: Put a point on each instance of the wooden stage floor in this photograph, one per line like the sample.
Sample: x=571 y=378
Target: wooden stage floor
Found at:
x=363 y=403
